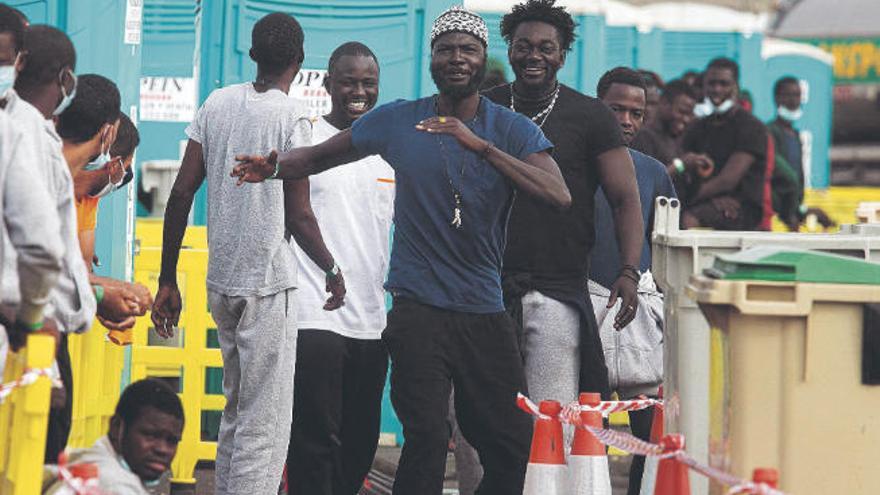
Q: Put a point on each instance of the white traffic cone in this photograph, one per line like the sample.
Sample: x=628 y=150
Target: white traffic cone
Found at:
x=547 y=473
x=588 y=461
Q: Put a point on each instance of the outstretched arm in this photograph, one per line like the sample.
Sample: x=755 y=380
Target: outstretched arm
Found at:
x=302 y=224
x=167 y=304
x=538 y=175
x=618 y=179
x=297 y=163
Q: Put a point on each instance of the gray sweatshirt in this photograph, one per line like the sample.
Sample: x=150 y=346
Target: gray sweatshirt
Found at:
x=72 y=302
x=30 y=223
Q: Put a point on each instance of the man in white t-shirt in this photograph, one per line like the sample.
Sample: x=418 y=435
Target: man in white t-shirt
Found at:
x=251 y=265
x=341 y=362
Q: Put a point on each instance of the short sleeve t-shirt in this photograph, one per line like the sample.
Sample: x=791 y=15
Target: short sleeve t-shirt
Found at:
x=86 y=214
x=249 y=251
x=722 y=136
x=653 y=181
x=354 y=206
x=653 y=142
x=549 y=244
x=431 y=261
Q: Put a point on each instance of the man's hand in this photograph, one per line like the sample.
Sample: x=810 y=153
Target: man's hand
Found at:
x=824 y=220
x=728 y=206
x=456 y=129
x=166 y=309
x=627 y=290
x=17 y=335
x=336 y=288
x=120 y=301
x=118 y=325
x=136 y=292
x=254 y=168
x=699 y=164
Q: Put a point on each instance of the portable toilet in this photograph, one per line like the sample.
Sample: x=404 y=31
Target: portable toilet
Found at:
x=812 y=67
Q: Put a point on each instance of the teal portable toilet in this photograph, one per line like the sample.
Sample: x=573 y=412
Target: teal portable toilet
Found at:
x=107 y=37
x=813 y=67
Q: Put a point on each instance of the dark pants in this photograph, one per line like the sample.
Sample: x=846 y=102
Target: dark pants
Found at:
x=337 y=402
x=431 y=349
x=640 y=424
x=60 y=418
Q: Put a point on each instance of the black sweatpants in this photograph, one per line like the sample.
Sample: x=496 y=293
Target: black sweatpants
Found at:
x=430 y=350
x=337 y=401
x=60 y=420
x=640 y=425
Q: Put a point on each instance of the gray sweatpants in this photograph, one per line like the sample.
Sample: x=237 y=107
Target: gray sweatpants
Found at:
x=258 y=342
x=552 y=366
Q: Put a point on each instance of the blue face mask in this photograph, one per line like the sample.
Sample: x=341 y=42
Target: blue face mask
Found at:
x=7 y=78
x=101 y=160
x=68 y=98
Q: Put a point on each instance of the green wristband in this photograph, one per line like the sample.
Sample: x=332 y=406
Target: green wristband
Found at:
x=99 y=293
x=679 y=165
x=33 y=327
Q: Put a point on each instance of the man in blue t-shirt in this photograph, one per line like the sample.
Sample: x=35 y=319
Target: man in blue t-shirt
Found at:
x=457 y=158
x=634 y=354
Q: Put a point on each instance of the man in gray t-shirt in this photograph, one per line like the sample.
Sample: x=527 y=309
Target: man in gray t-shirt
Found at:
x=251 y=265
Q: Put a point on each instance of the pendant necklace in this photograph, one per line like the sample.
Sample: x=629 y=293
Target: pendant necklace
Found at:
x=545 y=113
x=456 y=222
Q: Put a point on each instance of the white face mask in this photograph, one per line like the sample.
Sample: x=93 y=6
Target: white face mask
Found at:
x=68 y=98
x=7 y=77
x=102 y=159
x=707 y=108
x=790 y=115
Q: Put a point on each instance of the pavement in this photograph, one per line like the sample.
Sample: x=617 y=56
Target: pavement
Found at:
x=381 y=477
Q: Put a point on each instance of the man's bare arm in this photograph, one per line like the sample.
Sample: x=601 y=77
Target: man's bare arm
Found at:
x=297 y=163
x=728 y=178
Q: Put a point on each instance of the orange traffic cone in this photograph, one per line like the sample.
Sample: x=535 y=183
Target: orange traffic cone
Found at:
x=649 y=475
x=768 y=476
x=672 y=475
x=588 y=462
x=547 y=473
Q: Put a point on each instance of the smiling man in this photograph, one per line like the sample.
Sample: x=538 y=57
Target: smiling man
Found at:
x=341 y=362
x=457 y=158
x=731 y=197
x=547 y=258
x=137 y=451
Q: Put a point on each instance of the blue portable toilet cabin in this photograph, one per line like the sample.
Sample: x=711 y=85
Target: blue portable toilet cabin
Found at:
x=813 y=67
x=107 y=38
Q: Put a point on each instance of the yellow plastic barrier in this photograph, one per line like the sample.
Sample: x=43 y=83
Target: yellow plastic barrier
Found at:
x=97 y=378
x=189 y=361
x=840 y=203
x=23 y=419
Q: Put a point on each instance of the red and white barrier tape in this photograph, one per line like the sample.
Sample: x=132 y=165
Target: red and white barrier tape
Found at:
x=607 y=407
x=28 y=377
x=633 y=445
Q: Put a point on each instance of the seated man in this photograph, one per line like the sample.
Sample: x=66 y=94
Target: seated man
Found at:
x=732 y=197
x=137 y=451
x=634 y=354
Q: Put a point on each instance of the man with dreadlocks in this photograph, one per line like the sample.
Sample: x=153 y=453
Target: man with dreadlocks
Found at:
x=457 y=160
x=251 y=264
x=546 y=263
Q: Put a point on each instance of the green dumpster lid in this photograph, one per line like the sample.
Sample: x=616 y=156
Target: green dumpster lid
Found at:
x=783 y=264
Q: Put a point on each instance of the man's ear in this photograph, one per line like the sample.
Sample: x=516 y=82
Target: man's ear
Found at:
x=19 y=62
x=116 y=430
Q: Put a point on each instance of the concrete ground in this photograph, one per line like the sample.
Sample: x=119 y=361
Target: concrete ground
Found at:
x=382 y=475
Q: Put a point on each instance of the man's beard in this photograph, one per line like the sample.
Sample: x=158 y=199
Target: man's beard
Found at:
x=459 y=92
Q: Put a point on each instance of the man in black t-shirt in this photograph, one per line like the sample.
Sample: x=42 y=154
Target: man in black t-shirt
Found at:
x=546 y=263
x=731 y=198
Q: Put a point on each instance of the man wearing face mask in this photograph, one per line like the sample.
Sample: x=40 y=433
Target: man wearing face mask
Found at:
x=88 y=129
x=788 y=173
x=731 y=198
x=92 y=185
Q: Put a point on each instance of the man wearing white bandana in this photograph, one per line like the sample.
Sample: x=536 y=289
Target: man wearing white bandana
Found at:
x=731 y=198
x=457 y=159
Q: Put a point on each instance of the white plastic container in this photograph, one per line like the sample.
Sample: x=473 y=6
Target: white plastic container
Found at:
x=678 y=254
